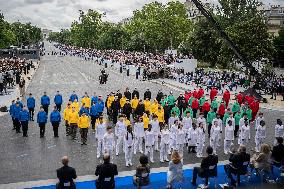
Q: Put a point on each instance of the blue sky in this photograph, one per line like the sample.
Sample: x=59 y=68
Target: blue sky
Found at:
x=57 y=14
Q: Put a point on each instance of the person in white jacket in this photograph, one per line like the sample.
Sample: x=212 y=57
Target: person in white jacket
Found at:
x=187 y=122
x=200 y=140
x=164 y=145
x=173 y=136
x=172 y=119
x=220 y=124
x=100 y=132
x=139 y=134
x=156 y=131
x=279 y=130
x=231 y=117
x=129 y=144
x=201 y=119
x=120 y=131
x=229 y=137
x=192 y=136
x=109 y=142
x=180 y=140
x=149 y=142
x=244 y=136
x=214 y=136
x=260 y=135
x=258 y=119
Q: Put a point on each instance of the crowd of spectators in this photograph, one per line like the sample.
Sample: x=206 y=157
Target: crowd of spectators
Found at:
x=240 y=163
x=12 y=71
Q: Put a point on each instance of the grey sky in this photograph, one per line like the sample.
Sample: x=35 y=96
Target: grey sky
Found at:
x=57 y=14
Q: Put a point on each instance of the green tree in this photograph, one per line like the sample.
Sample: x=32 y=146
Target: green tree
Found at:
x=279 y=45
x=244 y=24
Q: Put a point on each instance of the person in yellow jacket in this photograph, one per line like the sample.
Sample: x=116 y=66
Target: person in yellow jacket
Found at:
x=110 y=100
x=76 y=105
x=147 y=105
x=134 y=102
x=122 y=101
x=84 y=124
x=127 y=122
x=160 y=114
x=73 y=118
x=66 y=112
x=86 y=100
x=154 y=107
x=145 y=121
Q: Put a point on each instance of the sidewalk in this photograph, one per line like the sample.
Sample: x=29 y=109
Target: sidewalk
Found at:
x=6 y=100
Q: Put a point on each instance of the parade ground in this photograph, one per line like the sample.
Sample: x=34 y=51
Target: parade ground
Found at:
x=33 y=158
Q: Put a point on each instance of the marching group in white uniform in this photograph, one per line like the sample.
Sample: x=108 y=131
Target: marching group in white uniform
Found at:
x=175 y=137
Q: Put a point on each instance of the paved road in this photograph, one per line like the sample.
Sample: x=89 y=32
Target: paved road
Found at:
x=32 y=158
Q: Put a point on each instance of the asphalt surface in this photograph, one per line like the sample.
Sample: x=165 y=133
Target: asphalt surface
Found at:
x=34 y=158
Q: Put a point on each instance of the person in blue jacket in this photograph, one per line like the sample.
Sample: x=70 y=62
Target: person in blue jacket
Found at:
x=16 y=115
x=11 y=111
x=83 y=109
x=58 y=100
x=55 y=119
x=31 y=106
x=73 y=97
x=41 y=120
x=94 y=98
x=45 y=102
x=24 y=119
x=20 y=102
x=100 y=105
x=94 y=114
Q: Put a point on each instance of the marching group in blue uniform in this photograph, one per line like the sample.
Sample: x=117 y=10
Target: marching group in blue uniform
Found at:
x=21 y=114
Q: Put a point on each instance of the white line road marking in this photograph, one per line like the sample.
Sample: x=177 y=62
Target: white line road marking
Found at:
x=42 y=74
x=84 y=76
x=14 y=138
x=51 y=146
x=23 y=155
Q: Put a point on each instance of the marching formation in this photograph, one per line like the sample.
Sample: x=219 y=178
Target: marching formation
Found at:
x=136 y=124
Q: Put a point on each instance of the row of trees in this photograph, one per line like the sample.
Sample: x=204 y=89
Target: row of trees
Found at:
x=18 y=33
x=154 y=28
x=157 y=27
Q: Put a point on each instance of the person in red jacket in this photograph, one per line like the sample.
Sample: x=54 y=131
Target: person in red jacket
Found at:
x=195 y=106
x=200 y=92
x=239 y=98
x=195 y=94
x=206 y=108
x=187 y=95
x=250 y=99
x=226 y=97
x=213 y=93
x=254 y=106
x=221 y=110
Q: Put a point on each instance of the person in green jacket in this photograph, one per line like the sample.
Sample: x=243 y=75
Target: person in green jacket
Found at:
x=226 y=116
x=188 y=109
x=201 y=101
x=176 y=110
x=171 y=99
x=190 y=100
x=215 y=104
x=237 y=117
x=163 y=100
x=235 y=107
x=248 y=111
x=210 y=116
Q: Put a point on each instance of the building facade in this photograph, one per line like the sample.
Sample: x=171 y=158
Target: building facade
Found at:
x=275 y=19
x=45 y=33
